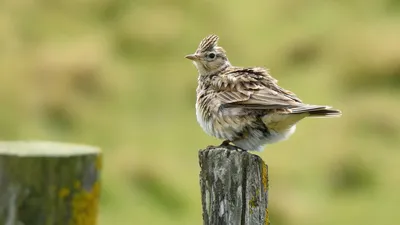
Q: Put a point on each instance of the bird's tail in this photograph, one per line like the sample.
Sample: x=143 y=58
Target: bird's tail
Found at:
x=317 y=111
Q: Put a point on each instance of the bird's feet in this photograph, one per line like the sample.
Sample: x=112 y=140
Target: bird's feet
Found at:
x=226 y=144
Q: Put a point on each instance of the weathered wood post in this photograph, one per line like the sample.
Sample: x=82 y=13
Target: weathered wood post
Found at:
x=234 y=187
x=44 y=183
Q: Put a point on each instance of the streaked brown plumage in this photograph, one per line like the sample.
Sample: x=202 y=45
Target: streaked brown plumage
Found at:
x=245 y=106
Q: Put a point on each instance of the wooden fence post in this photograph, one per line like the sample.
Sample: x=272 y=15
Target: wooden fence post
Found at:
x=234 y=187
x=45 y=183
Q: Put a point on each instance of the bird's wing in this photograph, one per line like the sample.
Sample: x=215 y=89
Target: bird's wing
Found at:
x=252 y=88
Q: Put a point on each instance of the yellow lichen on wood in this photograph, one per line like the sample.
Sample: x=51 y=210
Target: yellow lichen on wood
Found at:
x=265 y=176
x=85 y=206
x=266 y=186
x=253 y=204
x=266 y=217
x=64 y=192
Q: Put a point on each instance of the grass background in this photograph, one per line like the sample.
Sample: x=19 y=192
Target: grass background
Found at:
x=111 y=73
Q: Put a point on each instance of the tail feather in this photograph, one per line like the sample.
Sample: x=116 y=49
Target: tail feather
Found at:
x=317 y=111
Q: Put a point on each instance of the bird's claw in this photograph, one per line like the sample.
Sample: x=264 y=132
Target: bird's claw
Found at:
x=226 y=144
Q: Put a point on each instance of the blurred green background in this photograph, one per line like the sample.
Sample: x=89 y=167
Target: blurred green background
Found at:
x=112 y=73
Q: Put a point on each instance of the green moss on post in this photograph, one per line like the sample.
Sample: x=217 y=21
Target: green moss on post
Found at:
x=234 y=187
x=44 y=183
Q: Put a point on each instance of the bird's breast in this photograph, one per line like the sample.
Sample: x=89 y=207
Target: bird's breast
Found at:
x=214 y=122
x=205 y=113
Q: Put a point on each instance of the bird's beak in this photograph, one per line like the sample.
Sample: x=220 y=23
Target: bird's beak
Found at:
x=192 y=57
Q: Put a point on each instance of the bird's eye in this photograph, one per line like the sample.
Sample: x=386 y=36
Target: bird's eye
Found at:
x=211 y=55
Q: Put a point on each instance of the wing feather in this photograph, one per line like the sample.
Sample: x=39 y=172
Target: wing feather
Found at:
x=252 y=88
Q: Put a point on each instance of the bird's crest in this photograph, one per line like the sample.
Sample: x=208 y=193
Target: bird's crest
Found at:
x=208 y=43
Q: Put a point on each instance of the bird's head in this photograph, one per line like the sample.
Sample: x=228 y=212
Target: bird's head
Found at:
x=209 y=58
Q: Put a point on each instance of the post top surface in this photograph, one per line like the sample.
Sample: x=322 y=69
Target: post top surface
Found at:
x=45 y=148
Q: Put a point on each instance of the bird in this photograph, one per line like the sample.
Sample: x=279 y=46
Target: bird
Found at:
x=244 y=106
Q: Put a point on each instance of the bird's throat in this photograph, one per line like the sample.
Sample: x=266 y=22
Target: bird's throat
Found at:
x=210 y=72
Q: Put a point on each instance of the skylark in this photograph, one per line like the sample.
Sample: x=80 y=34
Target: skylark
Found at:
x=245 y=106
